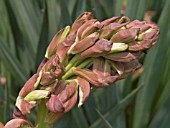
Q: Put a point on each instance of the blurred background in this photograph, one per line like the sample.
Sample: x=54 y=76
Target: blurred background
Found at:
x=140 y=101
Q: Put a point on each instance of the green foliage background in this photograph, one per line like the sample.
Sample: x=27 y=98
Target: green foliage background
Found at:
x=26 y=28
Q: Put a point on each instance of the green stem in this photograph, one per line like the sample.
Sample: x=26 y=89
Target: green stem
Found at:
x=74 y=61
x=82 y=65
x=42 y=113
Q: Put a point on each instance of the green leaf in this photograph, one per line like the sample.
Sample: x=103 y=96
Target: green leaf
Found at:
x=162 y=118
x=12 y=63
x=79 y=117
x=131 y=8
x=107 y=124
x=153 y=68
x=117 y=109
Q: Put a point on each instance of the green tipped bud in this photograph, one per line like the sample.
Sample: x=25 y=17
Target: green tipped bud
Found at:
x=37 y=95
x=118 y=47
x=125 y=36
x=58 y=38
x=64 y=47
x=88 y=28
x=84 y=17
x=84 y=90
x=29 y=86
x=83 y=44
x=96 y=79
x=47 y=78
x=101 y=47
x=123 y=56
x=109 y=30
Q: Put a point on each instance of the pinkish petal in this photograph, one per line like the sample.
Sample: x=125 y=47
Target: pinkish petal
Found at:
x=117 y=66
x=17 y=123
x=60 y=86
x=100 y=48
x=41 y=65
x=84 y=27
x=108 y=30
x=54 y=104
x=54 y=66
x=69 y=104
x=68 y=91
x=1 y=125
x=25 y=107
x=110 y=20
x=29 y=86
x=96 y=79
x=91 y=29
x=47 y=79
x=52 y=47
x=84 y=43
x=64 y=47
x=84 y=17
x=140 y=45
x=84 y=90
x=126 y=35
x=17 y=114
x=123 y=56
x=98 y=65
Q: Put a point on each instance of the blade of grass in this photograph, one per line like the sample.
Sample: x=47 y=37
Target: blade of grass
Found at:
x=118 y=7
x=12 y=63
x=107 y=124
x=131 y=8
x=114 y=112
x=151 y=75
x=162 y=118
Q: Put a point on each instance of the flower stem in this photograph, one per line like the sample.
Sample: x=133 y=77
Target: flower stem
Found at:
x=41 y=116
x=82 y=65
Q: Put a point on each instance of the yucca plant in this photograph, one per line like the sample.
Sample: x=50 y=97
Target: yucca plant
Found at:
x=141 y=100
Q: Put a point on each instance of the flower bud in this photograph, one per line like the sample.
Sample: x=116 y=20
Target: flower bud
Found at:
x=53 y=66
x=1 y=125
x=64 y=47
x=84 y=17
x=18 y=123
x=47 y=78
x=140 y=45
x=88 y=28
x=109 y=30
x=118 y=47
x=24 y=106
x=54 y=104
x=57 y=39
x=41 y=65
x=17 y=114
x=123 y=56
x=125 y=36
x=84 y=90
x=29 y=86
x=96 y=79
x=83 y=44
x=101 y=47
x=36 y=95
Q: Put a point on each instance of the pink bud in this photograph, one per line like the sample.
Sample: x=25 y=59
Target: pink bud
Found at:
x=100 y=48
x=84 y=90
x=84 y=43
x=64 y=47
x=54 y=104
x=84 y=17
x=123 y=56
x=18 y=123
x=125 y=36
x=29 y=86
